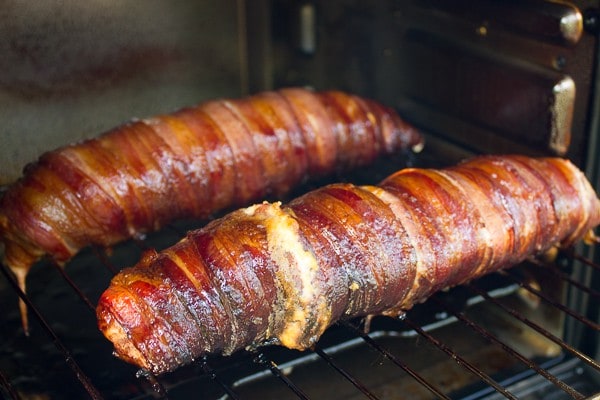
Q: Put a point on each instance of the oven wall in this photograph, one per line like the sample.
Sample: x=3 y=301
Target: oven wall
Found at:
x=72 y=69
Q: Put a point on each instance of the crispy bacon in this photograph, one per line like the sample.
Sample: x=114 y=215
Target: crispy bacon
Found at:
x=283 y=274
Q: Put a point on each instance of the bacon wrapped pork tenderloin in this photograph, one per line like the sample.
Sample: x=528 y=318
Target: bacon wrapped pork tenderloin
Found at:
x=192 y=163
x=273 y=274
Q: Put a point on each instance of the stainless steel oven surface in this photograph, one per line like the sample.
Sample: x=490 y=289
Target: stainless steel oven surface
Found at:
x=475 y=77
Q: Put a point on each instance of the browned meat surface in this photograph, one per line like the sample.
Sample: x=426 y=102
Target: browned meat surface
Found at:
x=283 y=274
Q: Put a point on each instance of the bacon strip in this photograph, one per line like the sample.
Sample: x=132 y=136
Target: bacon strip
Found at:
x=273 y=274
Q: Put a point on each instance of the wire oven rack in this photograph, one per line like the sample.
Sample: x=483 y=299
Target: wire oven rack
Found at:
x=346 y=350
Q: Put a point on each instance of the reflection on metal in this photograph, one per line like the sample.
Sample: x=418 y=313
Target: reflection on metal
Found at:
x=307 y=35
x=571 y=26
x=558 y=22
x=562 y=115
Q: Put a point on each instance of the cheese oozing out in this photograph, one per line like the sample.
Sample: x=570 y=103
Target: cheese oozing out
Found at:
x=306 y=313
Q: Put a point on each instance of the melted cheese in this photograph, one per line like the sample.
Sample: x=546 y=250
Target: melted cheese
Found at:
x=306 y=313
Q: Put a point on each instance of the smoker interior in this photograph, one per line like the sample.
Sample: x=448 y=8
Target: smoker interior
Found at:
x=501 y=336
x=486 y=79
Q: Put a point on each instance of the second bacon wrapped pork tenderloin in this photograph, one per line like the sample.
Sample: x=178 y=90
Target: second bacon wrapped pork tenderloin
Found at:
x=188 y=164
x=283 y=274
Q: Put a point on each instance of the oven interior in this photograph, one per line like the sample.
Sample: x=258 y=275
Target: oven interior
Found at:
x=491 y=77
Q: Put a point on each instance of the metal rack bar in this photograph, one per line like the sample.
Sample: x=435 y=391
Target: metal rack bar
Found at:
x=100 y=253
x=547 y=299
x=73 y=286
x=530 y=364
x=587 y=261
x=395 y=360
x=156 y=385
x=5 y=383
x=70 y=361
x=272 y=366
x=345 y=374
x=555 y=270
x=208 y=370
x=461 y=361
x=584 y=357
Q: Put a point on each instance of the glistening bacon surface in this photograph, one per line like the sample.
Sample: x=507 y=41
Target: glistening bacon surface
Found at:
x=144 y=174
x=283 y=274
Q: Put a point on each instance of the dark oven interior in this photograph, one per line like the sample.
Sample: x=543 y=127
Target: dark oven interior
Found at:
x=486 y=77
